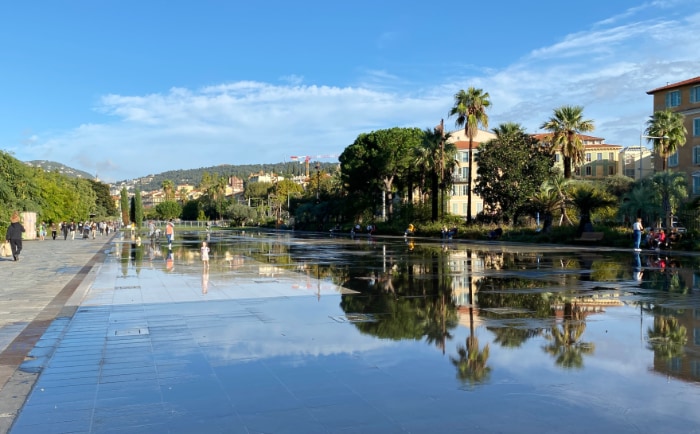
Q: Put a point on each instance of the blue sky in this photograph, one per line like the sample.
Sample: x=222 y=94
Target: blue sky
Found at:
x=127 y=88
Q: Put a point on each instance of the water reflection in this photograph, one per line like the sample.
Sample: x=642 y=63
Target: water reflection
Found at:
x=476 y=304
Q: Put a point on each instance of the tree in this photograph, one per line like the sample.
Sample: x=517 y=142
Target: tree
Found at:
x=125 y=206
x=138 y=208
x=374 y=161
x=545 y=201
x=169 y=189
x=470 y=109
x=671 y=190
x=512 y=166
x=566 y=125
x=168 y=210
x=104 y=202
x=668 y=132
x=587 y=199
x=434 y=158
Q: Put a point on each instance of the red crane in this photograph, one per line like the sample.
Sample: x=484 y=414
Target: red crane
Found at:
x=308 y=158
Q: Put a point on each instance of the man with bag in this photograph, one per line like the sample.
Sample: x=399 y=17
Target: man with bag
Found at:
x=14 y=235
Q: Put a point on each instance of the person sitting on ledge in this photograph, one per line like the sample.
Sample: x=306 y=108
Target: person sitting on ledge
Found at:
x=495 y=234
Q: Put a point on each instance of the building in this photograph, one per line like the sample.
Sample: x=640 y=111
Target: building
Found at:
x=458 y=201
x=684 y=97
x=636 y=162
x=600 y=159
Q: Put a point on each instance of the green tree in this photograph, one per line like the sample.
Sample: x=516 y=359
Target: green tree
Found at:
x=434 y=158
x=512 y=166
x=566 y=125
x=470 y=109
x=169 y=189
x=545 y=201
x=104 y=202
x=168 y=210
x=374 y=161
x=587 y=198
x=670 y=191
x=138 y=209
x=125 y=206
x=668 y=131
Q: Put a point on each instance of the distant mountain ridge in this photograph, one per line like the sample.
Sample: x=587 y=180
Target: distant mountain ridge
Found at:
x=52 y=166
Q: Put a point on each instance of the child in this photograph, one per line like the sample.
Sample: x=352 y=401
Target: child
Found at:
x=205 y=254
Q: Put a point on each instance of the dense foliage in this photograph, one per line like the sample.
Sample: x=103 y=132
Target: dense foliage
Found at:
x=52 y=196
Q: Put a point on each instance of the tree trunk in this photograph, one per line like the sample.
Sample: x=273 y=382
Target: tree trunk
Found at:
x=469 y=184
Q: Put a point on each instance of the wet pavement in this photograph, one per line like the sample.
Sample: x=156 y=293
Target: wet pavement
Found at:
x=332 y=334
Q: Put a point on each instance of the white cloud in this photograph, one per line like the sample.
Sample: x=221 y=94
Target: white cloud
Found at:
x=607 y=69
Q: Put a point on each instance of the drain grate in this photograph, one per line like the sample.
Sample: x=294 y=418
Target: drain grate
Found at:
x=128 y=287
x=355 y=318
x=130 y=332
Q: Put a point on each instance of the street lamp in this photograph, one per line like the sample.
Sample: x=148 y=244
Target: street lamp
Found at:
x=642 y=136
x=318 y=182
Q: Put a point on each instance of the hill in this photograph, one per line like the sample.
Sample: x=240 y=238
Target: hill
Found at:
x=52 y=166
x=194 y=176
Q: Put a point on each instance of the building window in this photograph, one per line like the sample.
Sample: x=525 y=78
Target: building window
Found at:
x=673 y=159
x=588 y=171
x=673 y=98
x=465 y=157
x=455 y=209
x=696 y=183
x=557 y=157
x=696 y=155
x=630 y=173
x=695 y=94
x=611 y=170
x=577 y=171
x=588 y=157
x=465 y=173
x=696 y=127
x=599 y=156
x=611 y=156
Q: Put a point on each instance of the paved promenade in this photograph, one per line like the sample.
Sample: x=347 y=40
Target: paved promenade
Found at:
x=47 y=283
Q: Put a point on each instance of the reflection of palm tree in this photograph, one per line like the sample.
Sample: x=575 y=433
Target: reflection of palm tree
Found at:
x=511 y=337
x=565 y=342
x=667 y=338
x=471 y=364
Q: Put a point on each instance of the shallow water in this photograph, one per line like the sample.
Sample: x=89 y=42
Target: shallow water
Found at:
x=316 y=334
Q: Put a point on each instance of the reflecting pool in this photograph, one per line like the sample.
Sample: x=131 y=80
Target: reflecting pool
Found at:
x=303 y=333
x=599 y=327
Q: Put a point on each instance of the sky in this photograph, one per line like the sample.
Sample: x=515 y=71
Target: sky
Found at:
x=124 y=89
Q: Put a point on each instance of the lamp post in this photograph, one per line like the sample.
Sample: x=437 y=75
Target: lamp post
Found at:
x=642 y=136
x=318 y=182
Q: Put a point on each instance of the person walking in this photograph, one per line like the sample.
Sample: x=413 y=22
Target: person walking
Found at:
x=170 y=233
x=205 y=254
x=637 y=233
x=14 y=235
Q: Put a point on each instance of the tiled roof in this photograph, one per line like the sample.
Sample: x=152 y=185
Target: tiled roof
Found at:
x=675 y=85
x=540 y=136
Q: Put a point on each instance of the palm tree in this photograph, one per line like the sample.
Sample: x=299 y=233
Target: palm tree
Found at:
x=566 y=125
x=169 y=189
x=546 y=200
x=433 y=158
x=668 y=131
x=671 y=188
x=470 y=109
x=587 y=198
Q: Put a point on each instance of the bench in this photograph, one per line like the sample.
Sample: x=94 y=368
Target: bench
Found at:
x=590 y=236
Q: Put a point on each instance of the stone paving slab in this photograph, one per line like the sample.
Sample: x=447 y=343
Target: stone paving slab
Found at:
x=34 y=291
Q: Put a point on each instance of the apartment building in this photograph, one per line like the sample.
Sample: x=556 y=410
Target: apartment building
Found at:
x=458 y=201
x=683 y=97
x=600 y=159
